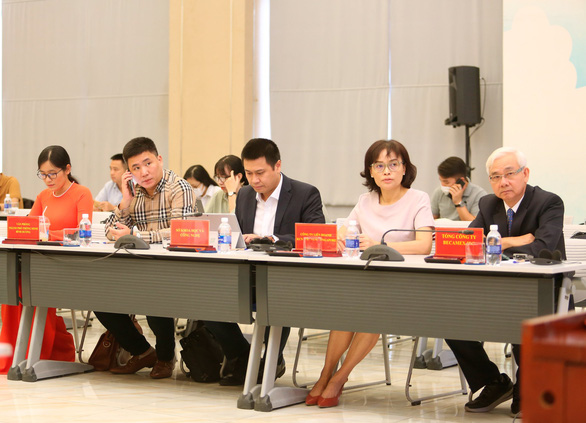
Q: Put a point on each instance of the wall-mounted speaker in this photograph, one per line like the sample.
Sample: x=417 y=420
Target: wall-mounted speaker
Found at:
x=464 y=96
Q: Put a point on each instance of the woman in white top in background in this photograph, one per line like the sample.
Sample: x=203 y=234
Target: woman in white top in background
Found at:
x=203 y=185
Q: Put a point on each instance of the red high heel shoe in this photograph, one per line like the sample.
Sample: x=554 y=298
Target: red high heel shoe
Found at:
x=311 y=400
x=330 y=402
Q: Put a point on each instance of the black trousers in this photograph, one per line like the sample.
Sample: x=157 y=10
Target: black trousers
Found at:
x=133 y=341
x=234 y=343
x=475 y=364
x=477 y=367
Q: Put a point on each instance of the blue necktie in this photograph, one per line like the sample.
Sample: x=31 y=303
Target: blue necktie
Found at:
x=510 y=214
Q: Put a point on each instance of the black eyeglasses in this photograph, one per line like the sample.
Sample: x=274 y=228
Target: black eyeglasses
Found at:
x=44 y=176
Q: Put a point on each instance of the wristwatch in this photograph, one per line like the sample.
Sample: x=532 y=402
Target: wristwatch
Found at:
x=460 y=204
x=231 y=193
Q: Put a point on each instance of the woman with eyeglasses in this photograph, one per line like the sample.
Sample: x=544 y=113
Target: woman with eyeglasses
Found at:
x=391 y=203
x=63 y=202
x=230 y=175
x=203 y=185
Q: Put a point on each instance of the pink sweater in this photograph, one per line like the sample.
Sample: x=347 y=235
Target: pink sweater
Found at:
x=413 y=211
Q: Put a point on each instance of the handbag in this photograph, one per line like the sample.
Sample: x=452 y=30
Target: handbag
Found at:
x=202 y=354
x=107 y=351
x=105 y=354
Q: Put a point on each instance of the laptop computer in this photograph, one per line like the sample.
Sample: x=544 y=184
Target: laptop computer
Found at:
x=215 y=220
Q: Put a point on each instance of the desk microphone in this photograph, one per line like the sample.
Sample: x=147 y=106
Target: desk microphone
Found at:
x=382 y=252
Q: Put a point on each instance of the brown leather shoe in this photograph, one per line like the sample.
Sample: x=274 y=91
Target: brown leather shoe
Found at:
x=135 y=364
x=163 y=369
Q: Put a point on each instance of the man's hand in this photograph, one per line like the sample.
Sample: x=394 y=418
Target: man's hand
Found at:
x=103 y=206
x=126 y=194
x=250 y=237
x=517 y=241
x=119 y=230
x=457 y=192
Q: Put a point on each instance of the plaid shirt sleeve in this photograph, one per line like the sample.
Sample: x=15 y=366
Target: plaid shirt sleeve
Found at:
x=177 y=200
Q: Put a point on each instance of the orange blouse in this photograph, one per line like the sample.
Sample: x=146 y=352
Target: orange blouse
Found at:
x=64 y=211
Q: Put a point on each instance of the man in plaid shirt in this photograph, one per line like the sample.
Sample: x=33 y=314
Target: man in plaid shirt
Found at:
x=160 y=195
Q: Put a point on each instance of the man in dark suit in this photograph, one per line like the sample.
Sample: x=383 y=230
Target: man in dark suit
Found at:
x=529 y=220
x=268 y=207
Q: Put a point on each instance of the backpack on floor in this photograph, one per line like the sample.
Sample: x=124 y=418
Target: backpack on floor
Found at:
x=202 y=354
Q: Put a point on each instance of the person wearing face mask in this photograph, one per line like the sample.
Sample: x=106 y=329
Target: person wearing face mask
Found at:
x=456 y=198
x=203 y=185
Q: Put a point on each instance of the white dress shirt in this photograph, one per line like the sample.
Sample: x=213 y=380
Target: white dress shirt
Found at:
x=264 y=220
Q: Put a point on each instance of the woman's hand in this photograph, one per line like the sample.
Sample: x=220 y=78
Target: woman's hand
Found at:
x=232 y=182
x=366 y=241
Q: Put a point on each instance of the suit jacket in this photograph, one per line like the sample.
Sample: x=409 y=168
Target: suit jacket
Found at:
x=298 y=202
x=540 y=213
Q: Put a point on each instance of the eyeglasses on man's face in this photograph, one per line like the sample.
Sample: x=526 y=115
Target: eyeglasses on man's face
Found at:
x=393 y=166
x=51 y=175
x=508 y=175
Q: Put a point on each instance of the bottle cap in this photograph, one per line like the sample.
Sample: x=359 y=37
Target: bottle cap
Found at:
x=352 y=223
x=224 y=220
x=494 y=227
x=85 y=216
x=7 y=196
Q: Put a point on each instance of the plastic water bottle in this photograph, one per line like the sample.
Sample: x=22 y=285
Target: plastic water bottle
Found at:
x=352 y=240
x=493 y=246
x=85 y=231
x=8 y=205
x=224 y=236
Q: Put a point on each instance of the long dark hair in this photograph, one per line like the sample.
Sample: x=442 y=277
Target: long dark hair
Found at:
x=58 y=157
x=234 y=163
x=199 y=173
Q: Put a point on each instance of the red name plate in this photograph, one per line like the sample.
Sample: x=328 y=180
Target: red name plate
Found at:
x=190 y=232
x=450 y=244
x=23 y=227
x=327 y=231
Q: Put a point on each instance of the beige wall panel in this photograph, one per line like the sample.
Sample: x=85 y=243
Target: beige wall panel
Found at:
x=210 y=96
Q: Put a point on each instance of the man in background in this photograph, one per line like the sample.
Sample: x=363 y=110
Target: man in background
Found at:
x=111 y=195
x=456 y=198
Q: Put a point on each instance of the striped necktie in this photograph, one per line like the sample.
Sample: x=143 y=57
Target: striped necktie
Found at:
x=510 y=214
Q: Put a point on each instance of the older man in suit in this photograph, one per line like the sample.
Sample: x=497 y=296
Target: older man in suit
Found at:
x=530 y=220
x=268 y=207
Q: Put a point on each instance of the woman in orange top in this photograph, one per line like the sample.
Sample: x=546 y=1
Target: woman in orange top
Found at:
x=63 y=202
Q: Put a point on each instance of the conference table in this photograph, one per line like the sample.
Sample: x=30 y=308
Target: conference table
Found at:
x=153 y=282
x=450 y=301
x=411 y=297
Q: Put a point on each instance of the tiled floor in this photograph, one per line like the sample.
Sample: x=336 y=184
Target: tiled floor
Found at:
x=103 y=397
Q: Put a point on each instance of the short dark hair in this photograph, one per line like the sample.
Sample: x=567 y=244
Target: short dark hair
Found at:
x=400 y=151
x=233 y=163
x=261 y=147
x=119 y=157
x=199 y=173
x=137 y=146
x=452 y=166
x=58 y=157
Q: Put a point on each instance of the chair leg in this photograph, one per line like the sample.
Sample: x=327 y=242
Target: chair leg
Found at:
x=386 y=357
x=75 y=331
x=296 y=362
x=79 y=349
x=417 y=401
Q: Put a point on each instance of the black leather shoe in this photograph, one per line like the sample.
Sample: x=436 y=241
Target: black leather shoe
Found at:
x=279 y=372
x=516 y=404
x=492 y=395
x=234 y=372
